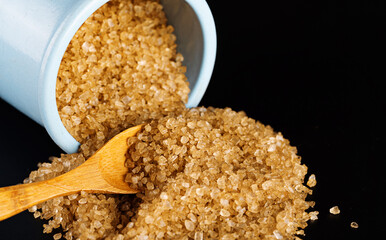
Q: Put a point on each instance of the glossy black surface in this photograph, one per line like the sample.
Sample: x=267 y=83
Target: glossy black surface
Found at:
x=313 y=70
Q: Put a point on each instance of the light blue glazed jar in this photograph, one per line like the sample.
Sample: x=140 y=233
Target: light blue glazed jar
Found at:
x=35 y=34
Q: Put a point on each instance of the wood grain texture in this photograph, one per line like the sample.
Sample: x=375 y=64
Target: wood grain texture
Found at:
x=103 y=172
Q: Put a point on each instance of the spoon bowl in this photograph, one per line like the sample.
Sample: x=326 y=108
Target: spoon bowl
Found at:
x=104 y=172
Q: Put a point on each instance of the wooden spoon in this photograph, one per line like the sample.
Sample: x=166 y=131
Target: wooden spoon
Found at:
x=104 y=172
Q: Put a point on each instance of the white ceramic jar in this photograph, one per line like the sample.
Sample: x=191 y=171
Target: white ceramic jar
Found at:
x=35 y=34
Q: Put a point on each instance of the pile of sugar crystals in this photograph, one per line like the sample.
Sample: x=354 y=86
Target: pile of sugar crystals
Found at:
x=205 y=173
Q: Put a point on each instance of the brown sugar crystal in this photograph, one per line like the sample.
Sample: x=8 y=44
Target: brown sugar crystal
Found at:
x=335 y=210
x=311 y=181
x=314 y=215
x=354 y=225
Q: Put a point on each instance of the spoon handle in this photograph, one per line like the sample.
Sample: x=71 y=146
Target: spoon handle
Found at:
x=87 y=177
x=104 y=172
x=15 y=199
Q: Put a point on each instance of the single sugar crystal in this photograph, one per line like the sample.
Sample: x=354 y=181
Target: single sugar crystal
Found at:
x=198 y=236
x=314 y=215
x=335 y=210
x=354 y=225
x=277 y=234
x=164 y=196
x=189 y=225
x=224 y=213
x=311 y=181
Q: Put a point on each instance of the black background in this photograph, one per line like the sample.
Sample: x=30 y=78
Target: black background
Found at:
x=313 y=70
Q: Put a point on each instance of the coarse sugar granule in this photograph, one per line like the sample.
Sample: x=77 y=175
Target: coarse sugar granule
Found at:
x=311 y=181
x=57 y=236
x=120 y=69
x=354 y=225
x=335 y=210
x=314 y=215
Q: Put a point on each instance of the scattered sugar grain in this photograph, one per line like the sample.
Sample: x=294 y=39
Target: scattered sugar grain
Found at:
x=57 y=236
x=149 y=219
x=198 y=236
x=335 y=210
x=277 y=234
x=189 y=225
x=354 y=225
x=82 y=201
x=311 y=181
x=314 y=215
x=164 y=196
x=224 y=213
